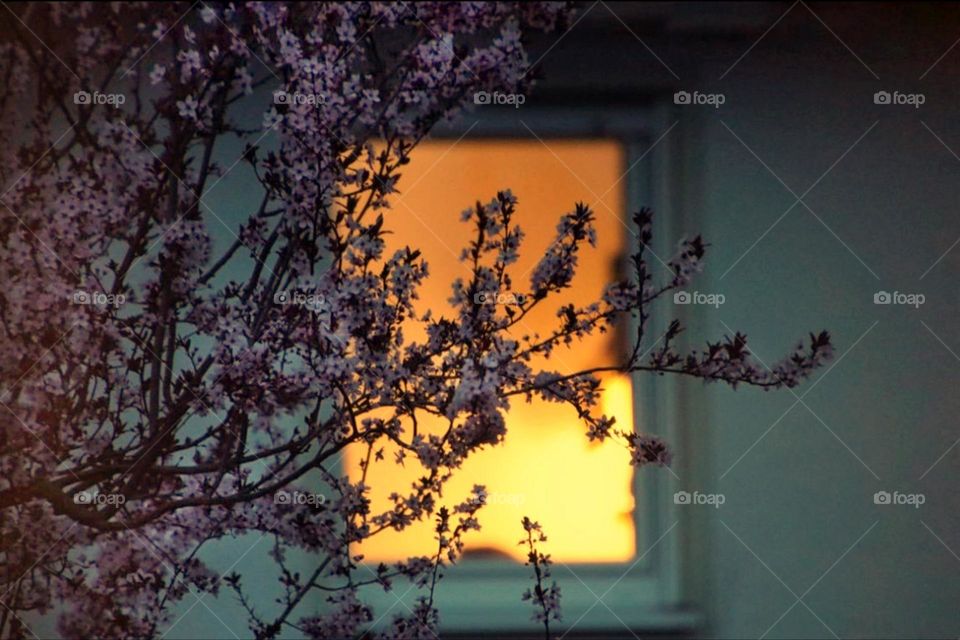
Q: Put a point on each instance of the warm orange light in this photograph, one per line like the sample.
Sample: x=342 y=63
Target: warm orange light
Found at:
x=546 y=469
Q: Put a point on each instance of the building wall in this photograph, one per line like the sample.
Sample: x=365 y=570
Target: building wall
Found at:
x=799 y=482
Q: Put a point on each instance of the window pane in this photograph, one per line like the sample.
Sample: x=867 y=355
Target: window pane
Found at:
x=545 y=468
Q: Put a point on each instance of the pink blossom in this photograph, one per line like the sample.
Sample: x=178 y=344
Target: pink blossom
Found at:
x=251 y=348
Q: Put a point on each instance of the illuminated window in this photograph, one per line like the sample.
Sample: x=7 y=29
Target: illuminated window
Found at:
x=582 y=493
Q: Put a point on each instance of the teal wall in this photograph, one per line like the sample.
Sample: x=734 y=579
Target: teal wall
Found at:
x=801 y=498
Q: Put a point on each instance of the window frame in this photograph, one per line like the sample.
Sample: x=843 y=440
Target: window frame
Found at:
x=647 y=594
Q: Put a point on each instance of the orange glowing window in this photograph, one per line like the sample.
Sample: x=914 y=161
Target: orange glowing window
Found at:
x=546 y=469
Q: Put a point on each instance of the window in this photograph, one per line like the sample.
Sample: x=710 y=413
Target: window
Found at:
x=546 y=468
x=605 y=526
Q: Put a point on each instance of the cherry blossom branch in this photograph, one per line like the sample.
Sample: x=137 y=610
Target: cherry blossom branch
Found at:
x=545 y=599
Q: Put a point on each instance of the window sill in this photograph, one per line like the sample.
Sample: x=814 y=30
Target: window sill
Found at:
x=639 y=622
x=486 y=603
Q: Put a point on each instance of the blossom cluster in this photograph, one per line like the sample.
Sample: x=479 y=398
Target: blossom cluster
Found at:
x=206 y=392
